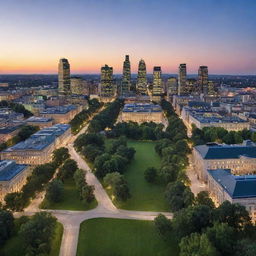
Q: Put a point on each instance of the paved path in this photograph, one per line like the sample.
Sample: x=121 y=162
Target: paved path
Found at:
x=71 y=220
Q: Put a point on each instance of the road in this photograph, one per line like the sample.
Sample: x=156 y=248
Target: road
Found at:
x=71 y=220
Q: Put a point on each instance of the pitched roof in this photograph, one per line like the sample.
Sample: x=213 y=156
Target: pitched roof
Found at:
x=226 y=151
x=236 y=186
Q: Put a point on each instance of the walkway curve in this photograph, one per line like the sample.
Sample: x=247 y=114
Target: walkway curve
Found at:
x=71 y=220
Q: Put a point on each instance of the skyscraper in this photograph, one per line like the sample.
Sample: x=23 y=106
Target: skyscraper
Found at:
x=157 y=84
x=106 y=82
x=126 y=80
x=203 y=79
x=182 y=79
x=64 y=77
x=172 y=86
x=142 y=78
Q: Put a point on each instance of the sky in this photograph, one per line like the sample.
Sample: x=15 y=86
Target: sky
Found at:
x=35 y=34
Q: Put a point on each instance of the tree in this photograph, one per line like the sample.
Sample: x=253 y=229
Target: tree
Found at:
x=79 y=178
x=87 y=193
x=223 y=237
x=126 y=152
x=38 y=233
x=111 y=179
x=203 y=198
x=235 y=215
x=60 y=155
x=6 y=225
x=54 y=191
x=68 y=169
x=163 y=225
x=26 y=131
x=168 y=173
x=150 y=174
x=197 y=245
x=178 y=196
x=246 y=247
x=121 y=191
x=91 y=152
x=192 y=219
x=14 y=201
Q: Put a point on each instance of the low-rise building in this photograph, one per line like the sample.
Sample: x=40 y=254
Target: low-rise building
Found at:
x=223 y=185
x=37 y=149
x=241 y=159
x=12 y=177
x=140 y=112
x=61 y=114
x=41 y=122
x=9 y=132
x=203 y=119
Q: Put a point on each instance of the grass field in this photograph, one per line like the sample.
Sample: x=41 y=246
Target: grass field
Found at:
x=70 y=200
x=118 y=237
x=15 y=245
x=144 y=196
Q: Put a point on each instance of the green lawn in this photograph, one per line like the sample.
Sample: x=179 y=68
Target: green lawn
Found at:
x=118 y=237
x=15 y=245
x=70 y=200
x=144 y=196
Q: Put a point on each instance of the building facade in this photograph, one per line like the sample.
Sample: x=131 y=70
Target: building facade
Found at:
x=241 y=159
x=223 y=186
x=172 y=86
x=203 y=80
x=78 y=86
x=37 y=149
x=12 y=177
x=157 y=84
x=126 y=79
x=142 y=112
x=142 y=78
x=106 y=83
x=182 y=80
x=64 y=77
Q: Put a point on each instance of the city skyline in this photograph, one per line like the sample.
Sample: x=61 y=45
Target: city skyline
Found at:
x=218 y=34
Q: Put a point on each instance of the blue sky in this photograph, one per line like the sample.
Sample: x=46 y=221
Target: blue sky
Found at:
x=90 y=33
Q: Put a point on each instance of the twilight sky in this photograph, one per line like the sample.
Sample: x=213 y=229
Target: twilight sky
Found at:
x=90 y=33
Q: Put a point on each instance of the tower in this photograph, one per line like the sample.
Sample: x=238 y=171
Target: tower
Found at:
x=203 y=80
x=106 y=82
x=142 y=78
x=157 y=84
x=182 y=79
x=64 y=77
x=126 y=80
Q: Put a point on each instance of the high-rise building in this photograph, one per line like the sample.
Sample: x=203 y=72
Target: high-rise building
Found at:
x=142 y=78
x=64 y=77
x=126 y=80
x=182 y=80
x=203 y=79
x=78 y=85
x=172 y=86
x=157 y=84
x=106 y=82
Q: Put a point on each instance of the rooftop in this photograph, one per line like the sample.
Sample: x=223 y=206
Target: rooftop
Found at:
x=37 y=119
x=58 y=109
x=9 y=169
x=236 y=186
x=223 y=151
x=40 y=139
x=141 y=107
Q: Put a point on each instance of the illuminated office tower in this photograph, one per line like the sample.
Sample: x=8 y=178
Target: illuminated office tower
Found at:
x=78 y=85
x=172 y=86
x=126 y=80
x=157 y=84
x=106 y=82
x=182 y=80
x=203 y=79
x=64 y=77
x=142 y=78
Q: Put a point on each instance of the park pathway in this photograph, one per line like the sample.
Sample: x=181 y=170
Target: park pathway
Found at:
x=71 y=220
